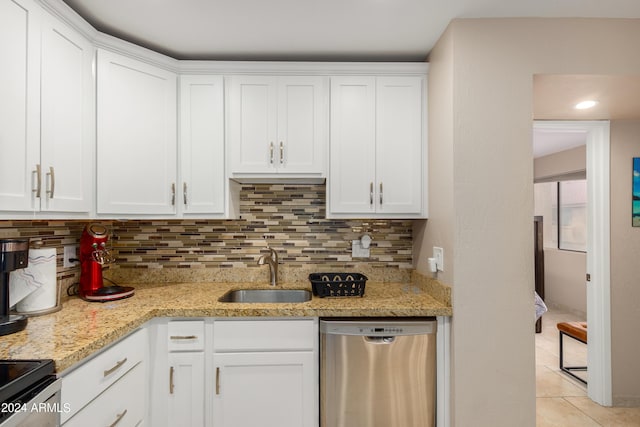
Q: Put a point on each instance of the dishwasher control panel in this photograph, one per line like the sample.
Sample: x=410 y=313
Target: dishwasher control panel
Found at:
x=376 y=328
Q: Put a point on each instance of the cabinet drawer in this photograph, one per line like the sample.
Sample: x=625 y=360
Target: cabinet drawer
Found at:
x=90 y=379
x=122 y=404
x=185 y=335
x=249 y=335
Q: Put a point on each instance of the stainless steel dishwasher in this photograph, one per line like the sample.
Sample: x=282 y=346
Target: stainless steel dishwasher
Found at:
x=377 y=373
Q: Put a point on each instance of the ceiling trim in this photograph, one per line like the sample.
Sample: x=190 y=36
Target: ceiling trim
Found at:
x=303 y=68
x=104 y=41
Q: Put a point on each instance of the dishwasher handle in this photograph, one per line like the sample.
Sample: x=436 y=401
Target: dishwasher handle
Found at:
x=379 y=340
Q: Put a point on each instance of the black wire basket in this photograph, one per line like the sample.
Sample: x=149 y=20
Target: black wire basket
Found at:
x=338 y=284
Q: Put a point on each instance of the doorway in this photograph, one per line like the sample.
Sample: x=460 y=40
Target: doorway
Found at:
x=597 y=259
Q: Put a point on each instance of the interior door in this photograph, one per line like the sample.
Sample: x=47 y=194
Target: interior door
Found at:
x=538 y=242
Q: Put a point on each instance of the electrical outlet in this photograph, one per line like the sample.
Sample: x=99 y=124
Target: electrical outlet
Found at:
x=438 y=254
x=70 y=252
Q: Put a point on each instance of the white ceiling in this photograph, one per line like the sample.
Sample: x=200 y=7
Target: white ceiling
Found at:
x=354 y=30
x=547 y=142
x=555 y=97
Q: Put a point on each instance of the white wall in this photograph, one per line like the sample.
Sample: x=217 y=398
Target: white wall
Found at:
x=625 y=266
x=564 y=281
x=487 y=68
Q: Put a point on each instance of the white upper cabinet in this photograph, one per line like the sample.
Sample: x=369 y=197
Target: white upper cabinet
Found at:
x=19 y=105
x=352 y=147
x=67 y=119
x=46 y=113
x=202 y=144
x=378 y=147
x=277 y=126
x=400 y=149
x=137 y=141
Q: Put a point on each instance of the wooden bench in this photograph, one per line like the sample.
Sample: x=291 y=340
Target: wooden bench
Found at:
x=577 y=331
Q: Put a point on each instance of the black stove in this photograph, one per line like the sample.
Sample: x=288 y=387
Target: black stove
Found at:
x=21 y=380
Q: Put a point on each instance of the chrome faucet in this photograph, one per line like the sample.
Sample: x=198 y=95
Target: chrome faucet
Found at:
x=272 y=260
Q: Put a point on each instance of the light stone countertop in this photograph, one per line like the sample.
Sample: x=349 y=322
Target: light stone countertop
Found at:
x=81 y=328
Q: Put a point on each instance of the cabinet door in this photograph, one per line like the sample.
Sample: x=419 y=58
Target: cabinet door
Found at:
x=252 y=124
x=67 y=138
x=202 y=144
x=265 y=389
x=19 y=104
x=137 y=141
x=186 y=402
x=301 y=125
x=352 y=146
x=399 y=145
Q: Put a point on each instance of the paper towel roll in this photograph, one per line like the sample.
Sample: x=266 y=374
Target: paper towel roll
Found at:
x=35 y=287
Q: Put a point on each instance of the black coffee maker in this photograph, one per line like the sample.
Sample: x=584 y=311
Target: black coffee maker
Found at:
x=14 y=254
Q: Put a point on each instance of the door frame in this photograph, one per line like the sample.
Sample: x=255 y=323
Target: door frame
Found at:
x=598 y=252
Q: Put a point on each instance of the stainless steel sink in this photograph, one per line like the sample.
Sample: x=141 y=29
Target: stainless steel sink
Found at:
x=267 y=295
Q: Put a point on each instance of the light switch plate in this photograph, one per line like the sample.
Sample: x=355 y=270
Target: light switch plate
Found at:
x=438 y=254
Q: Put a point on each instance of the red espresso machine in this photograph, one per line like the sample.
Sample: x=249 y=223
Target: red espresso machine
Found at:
x=93 y=256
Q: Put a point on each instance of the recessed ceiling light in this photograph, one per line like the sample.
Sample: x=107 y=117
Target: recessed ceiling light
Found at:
x=585 y=104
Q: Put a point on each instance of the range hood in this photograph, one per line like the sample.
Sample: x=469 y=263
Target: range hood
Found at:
x=278 y=180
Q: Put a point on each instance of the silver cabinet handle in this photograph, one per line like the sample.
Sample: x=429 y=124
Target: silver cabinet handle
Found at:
x=217 y=380
x=52 y=179
x=281 y=153
x=271 y=152
x=119 y=418
x=38 y=173
x=173 y=194
x=171 y=380
x=184 y=192
x=371 y=193
x=380 y=192
x=115 y=368
x=183 y=337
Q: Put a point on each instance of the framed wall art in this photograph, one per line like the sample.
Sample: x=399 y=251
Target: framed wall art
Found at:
x=636 y=193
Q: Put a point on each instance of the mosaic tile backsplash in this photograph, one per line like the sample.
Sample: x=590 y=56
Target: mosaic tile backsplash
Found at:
x=289 y=218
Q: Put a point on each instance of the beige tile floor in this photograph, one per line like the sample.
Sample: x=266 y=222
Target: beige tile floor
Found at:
x=562 y=401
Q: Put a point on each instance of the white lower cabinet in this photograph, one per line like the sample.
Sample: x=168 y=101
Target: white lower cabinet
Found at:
x=270 y=389
x=185 y=394
x=111 y=387
x=266 y=373
x=122 y=404
x=186 y=400
x=226 y=372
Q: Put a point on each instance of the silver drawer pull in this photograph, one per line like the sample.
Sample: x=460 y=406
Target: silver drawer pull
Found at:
x=52 y=182
x=184 y=192
x=115 y=368
x=183 y=337
x=119 y=418
x=38 y=179
x=217 y=380
x=271 y=152
x=281 y=153
x=371 y=193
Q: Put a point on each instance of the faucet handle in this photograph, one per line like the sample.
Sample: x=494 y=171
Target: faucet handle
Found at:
x=273 y=253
